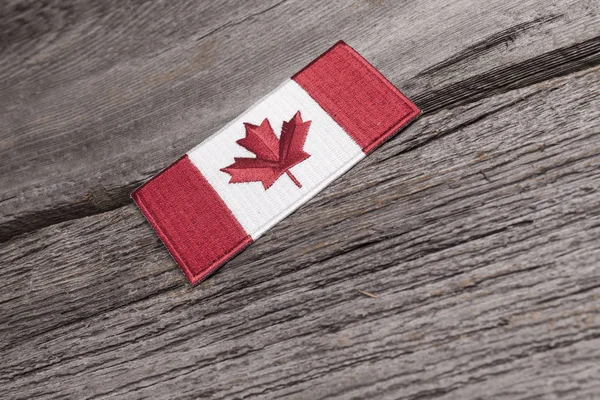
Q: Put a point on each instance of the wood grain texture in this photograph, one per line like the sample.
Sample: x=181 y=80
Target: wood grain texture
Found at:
x=86 y=106
x=477 y=228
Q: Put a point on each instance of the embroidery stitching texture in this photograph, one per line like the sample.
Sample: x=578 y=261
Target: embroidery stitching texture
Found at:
x=274 y=157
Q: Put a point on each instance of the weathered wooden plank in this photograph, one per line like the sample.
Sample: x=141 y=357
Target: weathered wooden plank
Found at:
x=105 y=96
x=76 y=82
x=478 y=229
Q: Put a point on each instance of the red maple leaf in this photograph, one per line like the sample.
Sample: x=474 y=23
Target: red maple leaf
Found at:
x=274 y=157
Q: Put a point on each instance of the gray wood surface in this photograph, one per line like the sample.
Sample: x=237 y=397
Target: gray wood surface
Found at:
x=477 y=228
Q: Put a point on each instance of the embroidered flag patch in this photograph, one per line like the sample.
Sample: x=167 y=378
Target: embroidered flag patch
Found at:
x=231 y=188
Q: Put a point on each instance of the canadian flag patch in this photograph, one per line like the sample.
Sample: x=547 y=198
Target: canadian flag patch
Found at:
x=235 y=185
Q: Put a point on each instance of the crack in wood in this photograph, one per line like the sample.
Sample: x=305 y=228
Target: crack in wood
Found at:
x=548 y=66
x=484 y=46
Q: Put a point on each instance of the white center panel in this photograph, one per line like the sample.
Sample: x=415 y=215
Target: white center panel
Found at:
x=332 y=152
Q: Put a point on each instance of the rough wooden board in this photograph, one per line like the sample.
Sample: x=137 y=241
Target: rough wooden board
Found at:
x=75 y=79
x=96 y=99
x=478 y=229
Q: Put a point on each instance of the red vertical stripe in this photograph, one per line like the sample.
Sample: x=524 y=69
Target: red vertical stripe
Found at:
x=356 y=96
x=191 y=219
